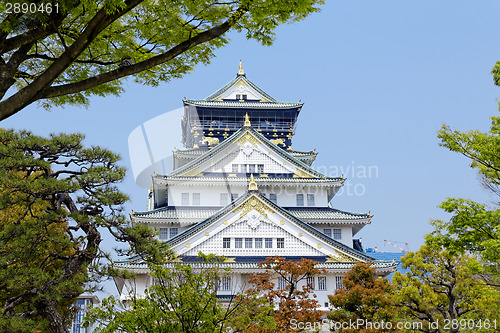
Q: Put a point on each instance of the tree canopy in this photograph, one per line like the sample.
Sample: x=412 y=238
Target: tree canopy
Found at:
x=474 y=227
x=81 y=48
x=441 y=291
x=363 y=298
x=181 y=299
x=292 y=300
x=56 y=198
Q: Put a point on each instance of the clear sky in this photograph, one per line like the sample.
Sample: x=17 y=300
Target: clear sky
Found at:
x=378 y=79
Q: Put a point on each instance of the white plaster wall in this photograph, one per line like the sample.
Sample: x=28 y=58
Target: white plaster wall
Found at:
x=209 y=195
x=287 y=196
x=346 y=231
x=135 y=286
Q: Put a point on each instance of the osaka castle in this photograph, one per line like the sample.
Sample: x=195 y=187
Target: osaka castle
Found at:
x=239 y=190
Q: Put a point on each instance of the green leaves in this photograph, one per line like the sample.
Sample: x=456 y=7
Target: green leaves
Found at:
x=56 y=197
x=440 y=287
x=180 y=299
x=90 y=46
x=363 y=297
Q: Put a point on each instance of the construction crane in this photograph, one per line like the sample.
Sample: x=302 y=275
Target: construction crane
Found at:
x=402 y=249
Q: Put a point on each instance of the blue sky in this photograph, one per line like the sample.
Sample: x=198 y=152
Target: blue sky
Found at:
x=378 y=80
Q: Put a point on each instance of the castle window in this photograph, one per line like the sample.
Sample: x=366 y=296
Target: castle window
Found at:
x=225 y=284
x=310 y=281
x=258 y=243
x=238 y=96
x=310 y=199
x=248 y=243
x=273 y=198
x=322 y=284
x=196 y=199
x=337 y=233
x=338 y=282
x=300 y=200
x=260 y=168
x=173 y=232
x=328 y=232
x=223 y=199
x=238 y=243
x=281 y=283
x=269 y=243
x=280 y=243
x=243 y=168
x=326 y=304
x=163 y=233
x=244 y=97
x=235 y=168
x=226 y=243
x=251 y=168
x=185 y=199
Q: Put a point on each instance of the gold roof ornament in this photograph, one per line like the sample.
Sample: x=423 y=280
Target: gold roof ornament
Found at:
x=240 y=69
x=247 y=121
x=252 y=185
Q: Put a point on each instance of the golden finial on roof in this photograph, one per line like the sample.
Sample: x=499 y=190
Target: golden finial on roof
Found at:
x=247 y=121
x=133 y=213
x=240 y=69
x=252 y=185
x=151 y=188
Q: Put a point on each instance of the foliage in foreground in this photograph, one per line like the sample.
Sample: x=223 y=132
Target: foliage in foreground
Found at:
x=182 y=298
x=56 y=197
x=362 y=298
x=442 y=292
x=294 y=300
x=68 y=50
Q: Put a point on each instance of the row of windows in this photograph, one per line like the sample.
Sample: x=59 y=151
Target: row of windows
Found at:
x=247 y=168
x=300 y=199
x=321 y=282
x=250 y=243
x=320 y=285
x=225 y=283
x=337 y=233
x=195 y=199
x=167 y=233
x=224 y=198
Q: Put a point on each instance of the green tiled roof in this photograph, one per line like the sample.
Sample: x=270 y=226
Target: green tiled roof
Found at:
x=253 y=265
x=201 y=151
x=235 y=104
x=329 y=214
